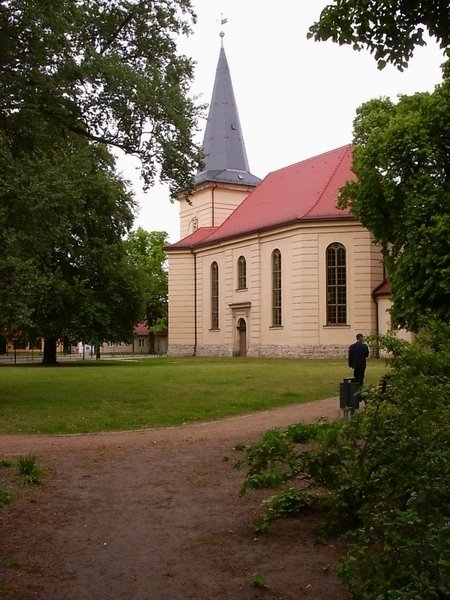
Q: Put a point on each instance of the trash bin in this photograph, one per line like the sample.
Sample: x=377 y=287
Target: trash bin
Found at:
x=349 y=393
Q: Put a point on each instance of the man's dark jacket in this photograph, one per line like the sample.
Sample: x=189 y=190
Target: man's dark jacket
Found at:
x=357 y=354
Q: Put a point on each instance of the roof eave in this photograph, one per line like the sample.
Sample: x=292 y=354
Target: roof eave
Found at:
x=273 y=227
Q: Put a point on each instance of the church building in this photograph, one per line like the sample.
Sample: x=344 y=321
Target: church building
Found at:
x=269 y=268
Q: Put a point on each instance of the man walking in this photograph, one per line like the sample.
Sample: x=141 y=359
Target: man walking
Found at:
x=357 y=354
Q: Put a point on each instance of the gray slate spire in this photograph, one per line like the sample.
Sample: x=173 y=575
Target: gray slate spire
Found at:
x=223 y=143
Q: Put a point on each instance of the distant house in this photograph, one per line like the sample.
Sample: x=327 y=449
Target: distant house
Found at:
x=272 y=267
x=141 y=343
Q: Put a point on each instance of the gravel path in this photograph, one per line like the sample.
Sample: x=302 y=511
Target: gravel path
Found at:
x=155 y=515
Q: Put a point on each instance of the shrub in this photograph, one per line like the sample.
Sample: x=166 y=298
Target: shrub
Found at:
x=382 y=478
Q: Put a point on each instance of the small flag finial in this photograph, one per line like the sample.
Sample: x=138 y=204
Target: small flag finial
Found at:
x=222 y=22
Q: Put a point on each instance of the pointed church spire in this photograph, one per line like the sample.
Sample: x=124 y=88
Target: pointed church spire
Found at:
x=223 y=143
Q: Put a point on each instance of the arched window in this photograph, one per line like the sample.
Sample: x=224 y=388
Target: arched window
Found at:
x=276 y=288
x=336 y=285
x=242 y=273
x=214 y=296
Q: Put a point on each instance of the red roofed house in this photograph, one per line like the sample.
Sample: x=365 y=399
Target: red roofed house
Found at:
x=268 y=268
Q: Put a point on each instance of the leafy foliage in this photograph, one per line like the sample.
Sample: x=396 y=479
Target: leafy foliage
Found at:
x=258 y=580
x=390 y=29
x=390 y=488
x=402 y=195
x=146 y=250
x=108 y=71
x=63 y=215
x=78 y=78
x=382 y=477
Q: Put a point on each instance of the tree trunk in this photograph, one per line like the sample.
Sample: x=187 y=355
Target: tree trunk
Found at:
x=151 y=342
x=66 y=345
x=49 y=358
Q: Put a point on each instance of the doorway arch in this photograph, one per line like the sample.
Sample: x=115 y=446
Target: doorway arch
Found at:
x=242 y=336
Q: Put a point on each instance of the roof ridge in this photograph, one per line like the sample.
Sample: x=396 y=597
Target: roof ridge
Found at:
x=320 y=196
x=310 y=158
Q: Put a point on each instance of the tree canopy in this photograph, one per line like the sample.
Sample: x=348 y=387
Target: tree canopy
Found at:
x=106 y=70
x=402 y=195
x=79 y=78
x=389 y=29
x=63 y=263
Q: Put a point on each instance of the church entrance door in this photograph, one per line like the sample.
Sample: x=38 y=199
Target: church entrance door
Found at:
x=242 y=329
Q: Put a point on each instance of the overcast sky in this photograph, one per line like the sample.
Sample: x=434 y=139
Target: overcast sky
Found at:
x=296 y=98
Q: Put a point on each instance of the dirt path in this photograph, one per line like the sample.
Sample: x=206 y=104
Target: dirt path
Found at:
x=155 y=515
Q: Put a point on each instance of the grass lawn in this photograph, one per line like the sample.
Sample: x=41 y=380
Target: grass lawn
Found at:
x=86 y=397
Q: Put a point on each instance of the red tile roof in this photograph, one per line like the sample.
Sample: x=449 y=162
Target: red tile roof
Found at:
x=141 y=329
x=195 y=238
x=307 y=190
x=384 y=289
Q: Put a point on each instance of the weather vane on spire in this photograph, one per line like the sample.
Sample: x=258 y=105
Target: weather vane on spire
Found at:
x=222 y=22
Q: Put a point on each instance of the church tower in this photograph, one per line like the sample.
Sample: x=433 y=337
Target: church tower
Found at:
x=225 y=179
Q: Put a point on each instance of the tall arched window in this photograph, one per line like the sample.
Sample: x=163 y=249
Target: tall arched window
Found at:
x=214 y=296
x=242 y=273
x=336 y=285
x=276 y=288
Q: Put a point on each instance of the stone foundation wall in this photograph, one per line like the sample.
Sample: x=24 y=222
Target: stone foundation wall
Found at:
x=219 y=350
x=300 y=351
x=180 y=350
x=206 y=350
x=288 y=351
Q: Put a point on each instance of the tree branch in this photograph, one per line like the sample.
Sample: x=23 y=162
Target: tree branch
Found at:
x=119 y=29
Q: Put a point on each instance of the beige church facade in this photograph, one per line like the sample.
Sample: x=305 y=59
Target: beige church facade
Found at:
x=269 y=268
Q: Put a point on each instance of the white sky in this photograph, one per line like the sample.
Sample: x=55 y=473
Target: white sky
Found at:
x=296 y=98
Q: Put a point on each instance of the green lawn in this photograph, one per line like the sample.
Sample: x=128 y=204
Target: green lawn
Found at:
x=157 y=392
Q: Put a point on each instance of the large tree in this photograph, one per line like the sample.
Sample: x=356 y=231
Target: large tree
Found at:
x=390 y=29
x=63 y=261
x=107 y=70
x=402 y=195
x=77 y=78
